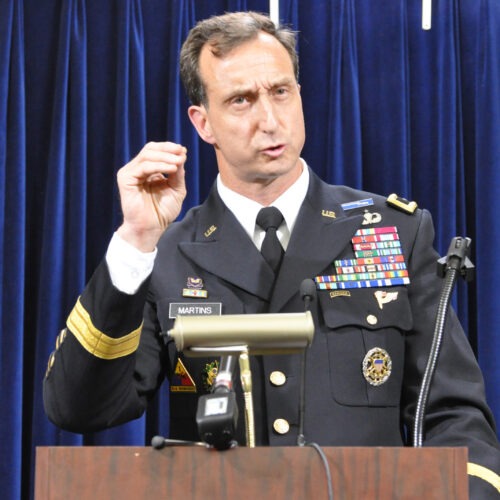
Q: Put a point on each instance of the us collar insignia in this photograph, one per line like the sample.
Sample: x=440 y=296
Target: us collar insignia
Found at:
x=209 y=374
x=329 y=213
x=182 y=380
x=377 y=366
x=378 y=262
x=194 y=289
x=210 y=231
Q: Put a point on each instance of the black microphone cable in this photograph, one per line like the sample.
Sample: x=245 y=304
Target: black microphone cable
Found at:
x=308 y=294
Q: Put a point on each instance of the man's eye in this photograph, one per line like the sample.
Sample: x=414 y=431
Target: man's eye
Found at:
x=239 y=100
x=281 y=92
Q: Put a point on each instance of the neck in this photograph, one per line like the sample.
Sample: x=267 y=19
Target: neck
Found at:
x=262 y=190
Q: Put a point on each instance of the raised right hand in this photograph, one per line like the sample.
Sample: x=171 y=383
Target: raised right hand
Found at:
x=152 y=189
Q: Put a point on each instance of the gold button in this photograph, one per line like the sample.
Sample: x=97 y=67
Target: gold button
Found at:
x=277 y=378
x=281 y=426
x=371 y=319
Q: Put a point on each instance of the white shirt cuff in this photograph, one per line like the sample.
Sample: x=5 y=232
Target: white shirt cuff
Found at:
x=128 y=266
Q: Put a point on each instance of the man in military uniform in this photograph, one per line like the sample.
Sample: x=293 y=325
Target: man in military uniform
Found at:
x=371 y=259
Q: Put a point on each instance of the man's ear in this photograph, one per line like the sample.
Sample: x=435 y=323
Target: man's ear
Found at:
x=199 y=119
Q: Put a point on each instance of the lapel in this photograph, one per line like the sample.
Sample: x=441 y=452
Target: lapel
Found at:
x=223 y=248
x=317 y=239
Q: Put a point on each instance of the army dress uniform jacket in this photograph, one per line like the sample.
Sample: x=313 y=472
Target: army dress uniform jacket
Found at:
x=114 y=354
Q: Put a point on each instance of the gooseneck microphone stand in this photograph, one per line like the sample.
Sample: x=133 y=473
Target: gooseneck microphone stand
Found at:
x=450 y=267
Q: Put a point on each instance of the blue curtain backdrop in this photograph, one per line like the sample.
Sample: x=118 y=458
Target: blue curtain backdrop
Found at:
x=85 y=83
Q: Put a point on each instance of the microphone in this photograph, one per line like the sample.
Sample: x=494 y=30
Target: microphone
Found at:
x=457 y=259
x=232 y=335
x=224 y=379
x=217 y=413
x=307 y=294
x=159 y=442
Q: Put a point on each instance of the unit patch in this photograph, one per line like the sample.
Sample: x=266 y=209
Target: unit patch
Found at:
x=182 y=380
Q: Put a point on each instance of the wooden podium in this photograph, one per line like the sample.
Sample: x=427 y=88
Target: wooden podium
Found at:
x=255 y=473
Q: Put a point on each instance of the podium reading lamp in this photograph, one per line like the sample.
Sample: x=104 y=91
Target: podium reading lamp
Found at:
x=231 y=336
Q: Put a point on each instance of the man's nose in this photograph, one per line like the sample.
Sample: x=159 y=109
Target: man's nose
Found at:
x=267 y=115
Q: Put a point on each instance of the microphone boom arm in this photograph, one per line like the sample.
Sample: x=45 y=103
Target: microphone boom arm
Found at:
x=456 y=262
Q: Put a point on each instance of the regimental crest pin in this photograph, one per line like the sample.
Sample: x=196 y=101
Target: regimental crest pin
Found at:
x=194 y=289
x=377 y=366
x=194 y=283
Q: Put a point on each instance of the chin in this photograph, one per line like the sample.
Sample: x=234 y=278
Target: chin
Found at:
x=272 y=172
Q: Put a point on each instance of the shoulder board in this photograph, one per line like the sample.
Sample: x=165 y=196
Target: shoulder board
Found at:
x=395 y=201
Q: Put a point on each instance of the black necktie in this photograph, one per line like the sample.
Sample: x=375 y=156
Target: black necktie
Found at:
x=269 y=219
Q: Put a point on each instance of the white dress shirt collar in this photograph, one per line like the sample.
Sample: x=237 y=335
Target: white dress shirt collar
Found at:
x=246 y=210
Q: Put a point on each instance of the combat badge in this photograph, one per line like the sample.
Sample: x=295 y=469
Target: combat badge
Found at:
x=377 y=366
x=352 y=205
x=209 y=374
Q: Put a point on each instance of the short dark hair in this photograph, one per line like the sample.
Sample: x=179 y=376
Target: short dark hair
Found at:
x=224 y=33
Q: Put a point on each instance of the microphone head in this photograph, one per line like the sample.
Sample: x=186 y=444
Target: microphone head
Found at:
x=308 y=289
x=158 y=442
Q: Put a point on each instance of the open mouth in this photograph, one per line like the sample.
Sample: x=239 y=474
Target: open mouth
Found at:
x=274 y=151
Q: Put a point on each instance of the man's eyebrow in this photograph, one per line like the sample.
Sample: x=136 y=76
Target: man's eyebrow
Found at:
x=241 y=90
x=252 y=90
x=283 y=82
